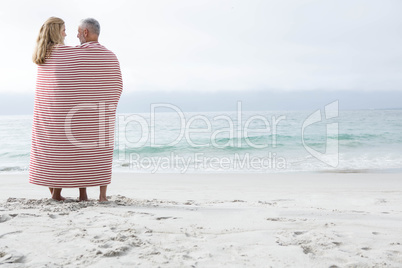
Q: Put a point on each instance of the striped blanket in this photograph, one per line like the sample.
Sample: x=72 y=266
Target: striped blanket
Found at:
x=77 y=92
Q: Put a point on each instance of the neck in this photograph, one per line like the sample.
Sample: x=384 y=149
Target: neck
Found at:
x=92 y=38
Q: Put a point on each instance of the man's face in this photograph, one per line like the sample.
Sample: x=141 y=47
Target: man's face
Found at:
x=81 y=35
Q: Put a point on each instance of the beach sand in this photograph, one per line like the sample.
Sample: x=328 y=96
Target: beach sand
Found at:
x=207 y=220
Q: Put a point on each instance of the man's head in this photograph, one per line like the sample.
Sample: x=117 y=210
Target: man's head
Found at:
x=88 y=30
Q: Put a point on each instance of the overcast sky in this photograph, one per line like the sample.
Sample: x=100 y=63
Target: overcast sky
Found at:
x=222 y=45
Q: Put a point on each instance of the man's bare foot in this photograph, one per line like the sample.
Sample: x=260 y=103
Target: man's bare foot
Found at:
x=102 y=195
x=56 y=194
x=83 y=199
x=58 y=198
x=103 y=199
x=83 y=195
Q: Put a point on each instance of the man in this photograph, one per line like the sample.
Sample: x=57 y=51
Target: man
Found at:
x=78 y=89
x=88 y=31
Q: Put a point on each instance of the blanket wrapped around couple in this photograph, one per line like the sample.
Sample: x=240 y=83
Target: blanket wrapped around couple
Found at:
x=77 y=92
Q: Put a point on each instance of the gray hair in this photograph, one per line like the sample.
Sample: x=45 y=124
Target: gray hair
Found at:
x=91 y=24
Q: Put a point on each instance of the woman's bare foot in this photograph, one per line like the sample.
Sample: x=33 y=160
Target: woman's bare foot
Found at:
x=56 y=194
x=102 y=195
x=83 y=195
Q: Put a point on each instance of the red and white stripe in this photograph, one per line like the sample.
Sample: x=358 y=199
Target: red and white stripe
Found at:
x=76 y=96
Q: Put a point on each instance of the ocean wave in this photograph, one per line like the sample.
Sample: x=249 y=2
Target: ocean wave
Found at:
x=14 y=154
x=12 y=168
x=259 y=140
x=150 y=149
x=366 y=136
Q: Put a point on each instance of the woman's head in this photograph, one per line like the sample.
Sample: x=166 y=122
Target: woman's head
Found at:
x=51 y=33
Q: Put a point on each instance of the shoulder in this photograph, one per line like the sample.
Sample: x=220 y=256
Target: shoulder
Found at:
x=96 y=48
x=64 y=48
x=59 y=50
x=93 y=46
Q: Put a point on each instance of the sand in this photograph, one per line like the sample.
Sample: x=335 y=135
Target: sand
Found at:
x=207 y=220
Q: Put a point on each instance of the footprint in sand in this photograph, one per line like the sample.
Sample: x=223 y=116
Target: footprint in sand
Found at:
x=11 y=257
x=4 y=218
x=283 y=219
x=15 y=232
x=382 y=200
x=165 y=218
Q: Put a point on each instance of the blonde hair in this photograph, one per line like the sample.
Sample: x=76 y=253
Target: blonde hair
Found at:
x=49 y=36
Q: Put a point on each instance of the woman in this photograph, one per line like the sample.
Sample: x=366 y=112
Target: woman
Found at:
x=51 y=34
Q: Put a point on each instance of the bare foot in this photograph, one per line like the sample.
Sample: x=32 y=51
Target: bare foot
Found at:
x=83 y=195
x=102 y=195
x=58 y=198
x=56 y=194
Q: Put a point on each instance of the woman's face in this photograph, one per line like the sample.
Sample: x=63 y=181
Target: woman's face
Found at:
x=63 y=31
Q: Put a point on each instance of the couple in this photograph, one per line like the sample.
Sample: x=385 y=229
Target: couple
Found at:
x=77 y=92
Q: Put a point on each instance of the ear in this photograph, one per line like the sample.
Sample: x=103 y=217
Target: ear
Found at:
x=85 y=32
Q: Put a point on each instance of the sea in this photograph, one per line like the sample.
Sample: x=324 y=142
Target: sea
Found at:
x=168 y=140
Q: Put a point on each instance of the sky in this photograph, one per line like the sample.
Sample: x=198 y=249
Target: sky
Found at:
x=192 y=51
